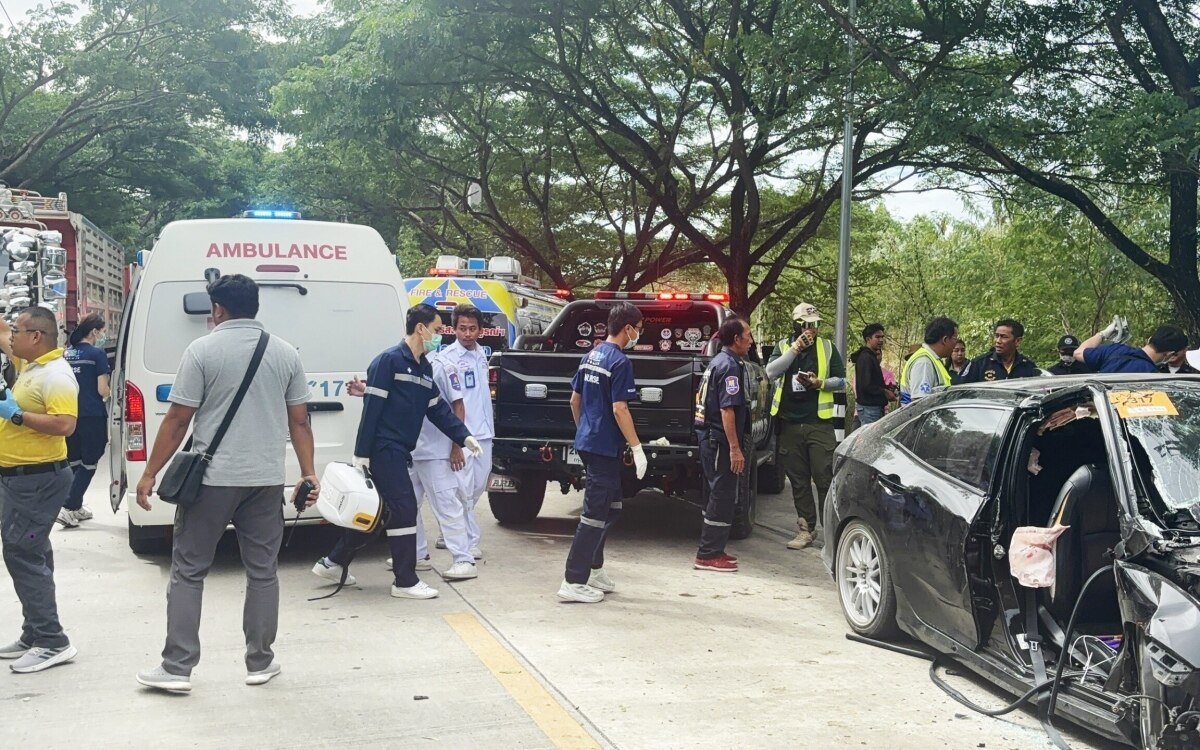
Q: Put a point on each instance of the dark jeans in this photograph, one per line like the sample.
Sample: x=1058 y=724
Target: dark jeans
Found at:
x=722 y=485
x=85 y=448
x=257 y=516
x=389 y=472
x=806 y=452
x=602 y=505
x=28 y=507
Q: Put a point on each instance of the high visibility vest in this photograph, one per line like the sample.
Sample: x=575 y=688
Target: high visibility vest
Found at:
x=943 y=373
x=826 y=400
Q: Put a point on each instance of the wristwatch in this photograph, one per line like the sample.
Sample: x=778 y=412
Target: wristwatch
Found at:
x=18 y=418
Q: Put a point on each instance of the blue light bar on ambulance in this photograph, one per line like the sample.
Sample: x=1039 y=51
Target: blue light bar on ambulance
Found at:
x=664 y=296
x=269 y=213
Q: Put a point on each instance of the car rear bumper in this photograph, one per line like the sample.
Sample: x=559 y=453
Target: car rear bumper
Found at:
x=553 y=457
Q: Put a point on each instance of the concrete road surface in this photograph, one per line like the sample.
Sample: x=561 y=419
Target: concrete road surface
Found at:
x=676 y=659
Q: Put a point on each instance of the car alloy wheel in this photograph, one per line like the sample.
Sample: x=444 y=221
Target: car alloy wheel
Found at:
x=864 y=582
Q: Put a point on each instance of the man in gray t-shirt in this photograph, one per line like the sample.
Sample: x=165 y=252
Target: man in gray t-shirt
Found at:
x=244 y=483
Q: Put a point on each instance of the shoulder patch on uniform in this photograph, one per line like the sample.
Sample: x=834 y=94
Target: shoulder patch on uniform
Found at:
x=732 y=385
x=454 y=382
x=925 y=388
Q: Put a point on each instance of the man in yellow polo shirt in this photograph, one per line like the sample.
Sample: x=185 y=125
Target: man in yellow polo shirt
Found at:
x=36 y=416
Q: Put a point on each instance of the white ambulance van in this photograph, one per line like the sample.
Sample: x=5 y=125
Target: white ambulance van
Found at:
x=333 y=291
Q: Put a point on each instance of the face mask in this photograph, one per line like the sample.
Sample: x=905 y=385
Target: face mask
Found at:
x=633 y=341
x=100 y=342
x=1066 y=359
x=431 y=343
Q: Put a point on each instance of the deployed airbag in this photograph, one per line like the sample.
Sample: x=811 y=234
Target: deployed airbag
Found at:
x=1031 y=555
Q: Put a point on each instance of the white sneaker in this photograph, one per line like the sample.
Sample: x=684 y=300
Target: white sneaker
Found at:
x=460 y=571
x=163 y=680
x=476 y=553
x=579 y=592
x=83 y=514
x=263 y=676
x=424 y=564
x=331 y=572
x=441 y=542
x=67 y=518
x=421 y=591
x=600 y=581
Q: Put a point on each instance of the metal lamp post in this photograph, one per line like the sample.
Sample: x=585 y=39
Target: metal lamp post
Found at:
x=843 y=279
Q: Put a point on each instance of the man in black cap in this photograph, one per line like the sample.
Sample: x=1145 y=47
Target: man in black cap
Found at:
x=1004 y=361
x=1067 y=364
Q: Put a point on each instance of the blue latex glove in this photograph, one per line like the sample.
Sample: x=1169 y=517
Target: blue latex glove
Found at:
x=8 y=406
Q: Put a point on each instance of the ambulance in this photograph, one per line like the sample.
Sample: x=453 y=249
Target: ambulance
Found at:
x=511 y=303
x=333 y=291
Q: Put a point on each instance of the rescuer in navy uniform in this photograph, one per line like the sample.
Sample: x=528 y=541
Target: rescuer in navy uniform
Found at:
x=400 y=394
x=722 y=420
x=1004 y=361
x=600 y=392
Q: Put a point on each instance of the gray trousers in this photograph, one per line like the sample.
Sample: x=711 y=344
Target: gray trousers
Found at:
x=257 y=516
x=28 y=507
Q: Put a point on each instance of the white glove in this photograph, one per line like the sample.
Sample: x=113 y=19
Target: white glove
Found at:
x=1110 y=333
x=473 y=445
x=640 y=464
x=361 y=463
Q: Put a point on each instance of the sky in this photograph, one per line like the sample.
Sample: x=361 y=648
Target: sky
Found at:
x=902 y=205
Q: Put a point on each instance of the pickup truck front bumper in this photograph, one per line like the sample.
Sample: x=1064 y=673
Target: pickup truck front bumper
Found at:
x=559 y=461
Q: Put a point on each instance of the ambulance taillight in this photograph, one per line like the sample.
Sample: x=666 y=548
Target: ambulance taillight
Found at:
x=135 y=423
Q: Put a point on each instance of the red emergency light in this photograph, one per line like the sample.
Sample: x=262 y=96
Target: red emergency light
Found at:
x=443 y=272
x=562 y=293
x=663 y=296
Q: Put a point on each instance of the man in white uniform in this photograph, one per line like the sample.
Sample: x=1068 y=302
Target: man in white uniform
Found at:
x=436 y=464
x=466 y=356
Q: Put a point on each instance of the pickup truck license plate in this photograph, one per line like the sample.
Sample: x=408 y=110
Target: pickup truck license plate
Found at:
x=573 y=458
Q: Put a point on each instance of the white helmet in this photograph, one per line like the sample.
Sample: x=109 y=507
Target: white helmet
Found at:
x=348 y=498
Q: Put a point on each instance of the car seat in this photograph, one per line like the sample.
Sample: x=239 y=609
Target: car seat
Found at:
x=1086 y=503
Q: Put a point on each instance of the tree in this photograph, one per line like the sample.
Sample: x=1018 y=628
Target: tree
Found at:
x=1095 y=103
x=700 y=105
x=115 y=105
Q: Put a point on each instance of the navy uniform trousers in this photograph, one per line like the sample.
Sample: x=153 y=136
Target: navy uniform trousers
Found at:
x=601 y=508
x=389 y=472
x=721 y=484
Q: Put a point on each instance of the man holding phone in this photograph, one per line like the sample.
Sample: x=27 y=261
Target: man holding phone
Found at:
x=810 y=408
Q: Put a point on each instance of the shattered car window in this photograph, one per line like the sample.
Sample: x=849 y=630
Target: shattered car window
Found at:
x=1164 y=427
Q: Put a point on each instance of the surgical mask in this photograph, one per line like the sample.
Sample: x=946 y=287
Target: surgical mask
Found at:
x=100 y=342
x=431 y=343
x=633 y=341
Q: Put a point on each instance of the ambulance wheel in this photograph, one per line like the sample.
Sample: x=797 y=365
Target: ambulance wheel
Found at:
x=770 y=475
x=523 y=505
x=149 y=540
x=746 y=509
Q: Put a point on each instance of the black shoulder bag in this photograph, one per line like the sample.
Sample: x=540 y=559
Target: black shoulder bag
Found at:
x=183 y=477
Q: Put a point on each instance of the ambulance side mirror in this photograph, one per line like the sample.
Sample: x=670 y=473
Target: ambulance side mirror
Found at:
x=197 y=303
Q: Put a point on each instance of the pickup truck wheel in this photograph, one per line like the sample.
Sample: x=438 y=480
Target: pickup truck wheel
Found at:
x=523 y=505
x=770 y=475
x=149 y=540
x=745 y=511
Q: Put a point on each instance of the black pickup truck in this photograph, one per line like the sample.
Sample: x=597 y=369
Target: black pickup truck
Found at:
x=535 y=431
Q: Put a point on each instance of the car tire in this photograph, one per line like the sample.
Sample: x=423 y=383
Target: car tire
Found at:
x=523 y=505
x=770 y=475
x=149 y=540
x=863 y=572
x=745 y=510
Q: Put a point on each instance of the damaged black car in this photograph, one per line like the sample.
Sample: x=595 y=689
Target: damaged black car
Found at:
x=1045 y=533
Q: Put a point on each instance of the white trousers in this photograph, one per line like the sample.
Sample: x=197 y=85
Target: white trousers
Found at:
x=435 y=480
x=472 y=482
